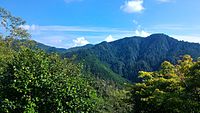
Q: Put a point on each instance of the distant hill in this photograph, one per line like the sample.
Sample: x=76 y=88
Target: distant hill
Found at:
x=80 y=48
x=126 y=57
x=50 y=49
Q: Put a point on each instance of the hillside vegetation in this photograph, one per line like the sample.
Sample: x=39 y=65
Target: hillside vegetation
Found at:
x=126 y=57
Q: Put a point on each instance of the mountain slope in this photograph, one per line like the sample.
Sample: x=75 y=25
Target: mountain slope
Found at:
x=50 y=49
x=91 y=63
x=127 y=56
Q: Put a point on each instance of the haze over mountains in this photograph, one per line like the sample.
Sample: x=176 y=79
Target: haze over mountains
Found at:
x=122 y=59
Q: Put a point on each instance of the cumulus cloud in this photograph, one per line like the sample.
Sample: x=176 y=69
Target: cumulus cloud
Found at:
x=132 y=6
x=80 y=41
x=141 y=33
x=109 y=38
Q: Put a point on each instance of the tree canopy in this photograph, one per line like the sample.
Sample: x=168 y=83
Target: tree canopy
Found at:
x=172 y=89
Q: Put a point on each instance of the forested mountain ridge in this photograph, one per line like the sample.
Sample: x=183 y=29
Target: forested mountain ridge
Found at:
x=128 y=56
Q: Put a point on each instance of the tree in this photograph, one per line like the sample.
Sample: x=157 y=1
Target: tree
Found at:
x=172 y=89
x=10 y=25
x=36 y=82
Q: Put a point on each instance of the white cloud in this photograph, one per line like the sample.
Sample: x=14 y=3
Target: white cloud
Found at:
x=141 y=33
x=28 y=27
x=72 y=28
x=80 y=41
x=109 y=38
x=133 y=6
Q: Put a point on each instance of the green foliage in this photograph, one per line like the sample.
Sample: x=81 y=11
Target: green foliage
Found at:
x=172 y=89
x=36 y=82
x=112 y=98
x=98 y=69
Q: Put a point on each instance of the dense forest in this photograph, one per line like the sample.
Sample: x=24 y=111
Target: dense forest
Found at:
x=124 y=58
x=51 y=80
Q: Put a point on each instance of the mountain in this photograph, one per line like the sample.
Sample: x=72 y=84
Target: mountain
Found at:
x=50 y=49
x=81 y=47
x=124 y=58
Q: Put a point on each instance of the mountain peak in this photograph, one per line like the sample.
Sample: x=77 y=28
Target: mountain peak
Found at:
x=158 y=35
x=161 y=37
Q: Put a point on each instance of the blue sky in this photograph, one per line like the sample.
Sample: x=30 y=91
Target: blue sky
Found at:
x=69 y=23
